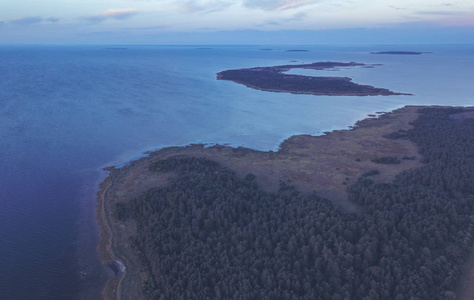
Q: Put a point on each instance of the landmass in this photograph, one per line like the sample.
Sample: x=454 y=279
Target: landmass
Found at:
x=273 y=79
x=382 y=211
x=400 y=52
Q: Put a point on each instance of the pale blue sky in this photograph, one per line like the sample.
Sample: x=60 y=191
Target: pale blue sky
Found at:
x=236 y=21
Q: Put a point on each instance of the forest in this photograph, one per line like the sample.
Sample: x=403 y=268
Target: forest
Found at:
x=212 y=235
x=274 y=79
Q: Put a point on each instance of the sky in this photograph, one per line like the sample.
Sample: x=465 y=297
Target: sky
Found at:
x=236 y=21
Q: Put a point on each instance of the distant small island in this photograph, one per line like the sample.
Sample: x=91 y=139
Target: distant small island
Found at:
x=273 y=79
x=400 y=52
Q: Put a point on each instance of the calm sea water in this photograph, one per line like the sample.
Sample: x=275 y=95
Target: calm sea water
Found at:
x=67 y=112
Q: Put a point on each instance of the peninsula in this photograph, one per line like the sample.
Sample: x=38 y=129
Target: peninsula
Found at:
x=274 y=79
x=383 y=210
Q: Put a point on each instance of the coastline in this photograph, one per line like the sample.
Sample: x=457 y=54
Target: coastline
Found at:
x=113 y=236
x=104 y=248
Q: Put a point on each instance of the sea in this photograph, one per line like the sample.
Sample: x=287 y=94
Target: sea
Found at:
x=66 y=112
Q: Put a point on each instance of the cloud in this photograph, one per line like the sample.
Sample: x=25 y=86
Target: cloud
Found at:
x=26 y=20
x=52 y=19
x=118 y=14
x=295 y=18
x=275 y=4
x=441 y=13
x=207 y=6
x=396 y=7
x=151 y=27
x=448 y=18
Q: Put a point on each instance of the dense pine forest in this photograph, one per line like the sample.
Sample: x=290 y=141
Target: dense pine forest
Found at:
x=212 y=235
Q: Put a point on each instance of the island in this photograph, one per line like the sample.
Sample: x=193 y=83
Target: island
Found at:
x=274 y=79
x=400 y=52
x=380 y=211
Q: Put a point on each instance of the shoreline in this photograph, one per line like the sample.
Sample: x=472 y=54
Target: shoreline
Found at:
x=111 y=289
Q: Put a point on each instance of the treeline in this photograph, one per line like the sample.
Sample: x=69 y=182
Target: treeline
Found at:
x=211 y=235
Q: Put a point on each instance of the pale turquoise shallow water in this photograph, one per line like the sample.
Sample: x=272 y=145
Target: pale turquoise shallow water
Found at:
x=66 y=112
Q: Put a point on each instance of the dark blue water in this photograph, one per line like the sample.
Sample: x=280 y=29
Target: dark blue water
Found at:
x=67 y=112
